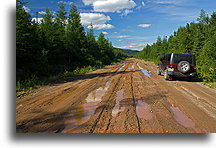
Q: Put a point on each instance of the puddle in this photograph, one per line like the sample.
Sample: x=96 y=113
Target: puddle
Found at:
x=143 y=110
x=181 y=118
x=118 y=108
x=132 y=67
x=144 y=71
x=97 y=95
x=139 y=66
x=121 y=67
x=81 y=113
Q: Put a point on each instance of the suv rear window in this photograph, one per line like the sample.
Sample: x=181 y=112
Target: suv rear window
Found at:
x=183 y=57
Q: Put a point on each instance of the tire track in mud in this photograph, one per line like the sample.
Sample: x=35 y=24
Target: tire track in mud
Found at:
x=110 y=101
x=205 y=106
x=182 y=100
x=145 y=104
x=95 y=118
x=102 y=111
x=132 y=87
x=146 y=125
x=124 y=121
x=29 y=117
x=159 y=104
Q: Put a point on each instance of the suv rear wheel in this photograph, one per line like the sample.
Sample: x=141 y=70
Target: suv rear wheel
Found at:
x=166 y=76
x=183 y=66
x=158 y=71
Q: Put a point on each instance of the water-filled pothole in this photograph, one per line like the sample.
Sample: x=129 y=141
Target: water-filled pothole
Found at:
x=181 y=118
x=144 y=71
x=118 y=108
x=143 y=110
x=82 y=112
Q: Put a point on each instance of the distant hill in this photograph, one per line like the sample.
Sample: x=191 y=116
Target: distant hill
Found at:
x=129 y=52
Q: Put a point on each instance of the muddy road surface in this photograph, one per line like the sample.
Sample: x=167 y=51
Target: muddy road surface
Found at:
x=128 y=97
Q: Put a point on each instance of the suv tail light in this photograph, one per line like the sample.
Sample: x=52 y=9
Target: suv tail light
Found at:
x=171 y=65
x=194 y=67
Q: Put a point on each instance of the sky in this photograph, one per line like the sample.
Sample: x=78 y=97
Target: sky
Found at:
x=130 y=24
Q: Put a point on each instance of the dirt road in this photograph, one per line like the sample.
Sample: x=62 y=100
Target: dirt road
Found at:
x=128 y=97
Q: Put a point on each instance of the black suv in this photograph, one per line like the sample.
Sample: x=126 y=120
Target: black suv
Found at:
x=178 y=65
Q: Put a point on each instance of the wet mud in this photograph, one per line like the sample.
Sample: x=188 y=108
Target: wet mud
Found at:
x=128 y=97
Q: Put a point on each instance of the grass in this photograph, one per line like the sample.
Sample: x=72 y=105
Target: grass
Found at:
x=210 y=84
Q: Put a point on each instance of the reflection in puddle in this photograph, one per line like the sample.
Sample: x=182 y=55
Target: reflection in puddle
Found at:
x=81 y=113
x=118 y=108
x=143 y=110
x=144 y=71
x=181 y=118
x=122 y=67
x=139 y=66
x=132 y=67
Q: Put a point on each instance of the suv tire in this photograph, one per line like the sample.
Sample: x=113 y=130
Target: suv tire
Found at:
x=158 y=71
x=183 y=66
x=166 y=76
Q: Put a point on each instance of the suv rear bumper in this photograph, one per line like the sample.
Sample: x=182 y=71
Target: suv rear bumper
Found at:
x=179 y=74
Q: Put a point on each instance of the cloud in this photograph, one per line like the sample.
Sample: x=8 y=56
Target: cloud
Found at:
x=26 y=9
x=42 y=12
x=134 y=46
x=89 y=2
x=94 y=18
x=98 y=20
x=136 y=41
x=105 y=32
x=126 y=12
x=144 y=25
x=102 y=26
x=123 y=36
x=173 y=9
x=37 y=19
x=110 y=5
x=113 y=5
x=66 y=2
x=141 y=5
x=166 y=1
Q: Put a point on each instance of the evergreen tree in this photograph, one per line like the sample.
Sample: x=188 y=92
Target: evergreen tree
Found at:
x=196 y=38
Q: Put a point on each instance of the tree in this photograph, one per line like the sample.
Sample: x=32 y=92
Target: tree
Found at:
x=76 y=39
x=27 y=43
x=203 y=17
x=196 y=38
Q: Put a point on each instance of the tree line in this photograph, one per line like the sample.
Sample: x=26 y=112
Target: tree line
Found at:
x=57 y=44
x=198 y=38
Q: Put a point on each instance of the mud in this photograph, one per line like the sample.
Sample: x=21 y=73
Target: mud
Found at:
x=128 y=97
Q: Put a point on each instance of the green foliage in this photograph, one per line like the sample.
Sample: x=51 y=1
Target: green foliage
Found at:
x=57 y=46
x=84 y=70
x=195 y=38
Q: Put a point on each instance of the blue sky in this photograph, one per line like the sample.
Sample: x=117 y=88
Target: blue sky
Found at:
x=130 y=24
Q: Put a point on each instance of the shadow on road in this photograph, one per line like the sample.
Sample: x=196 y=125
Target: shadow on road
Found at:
x=196 y=79
x=88 y=76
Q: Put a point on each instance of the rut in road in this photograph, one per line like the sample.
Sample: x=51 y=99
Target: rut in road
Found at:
x=128 y=97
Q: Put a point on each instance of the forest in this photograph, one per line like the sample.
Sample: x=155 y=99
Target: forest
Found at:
x=198 y=38
x=57 y=45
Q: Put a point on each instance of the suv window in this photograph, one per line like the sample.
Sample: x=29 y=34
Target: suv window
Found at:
x=167 y=57
x=183 y=57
